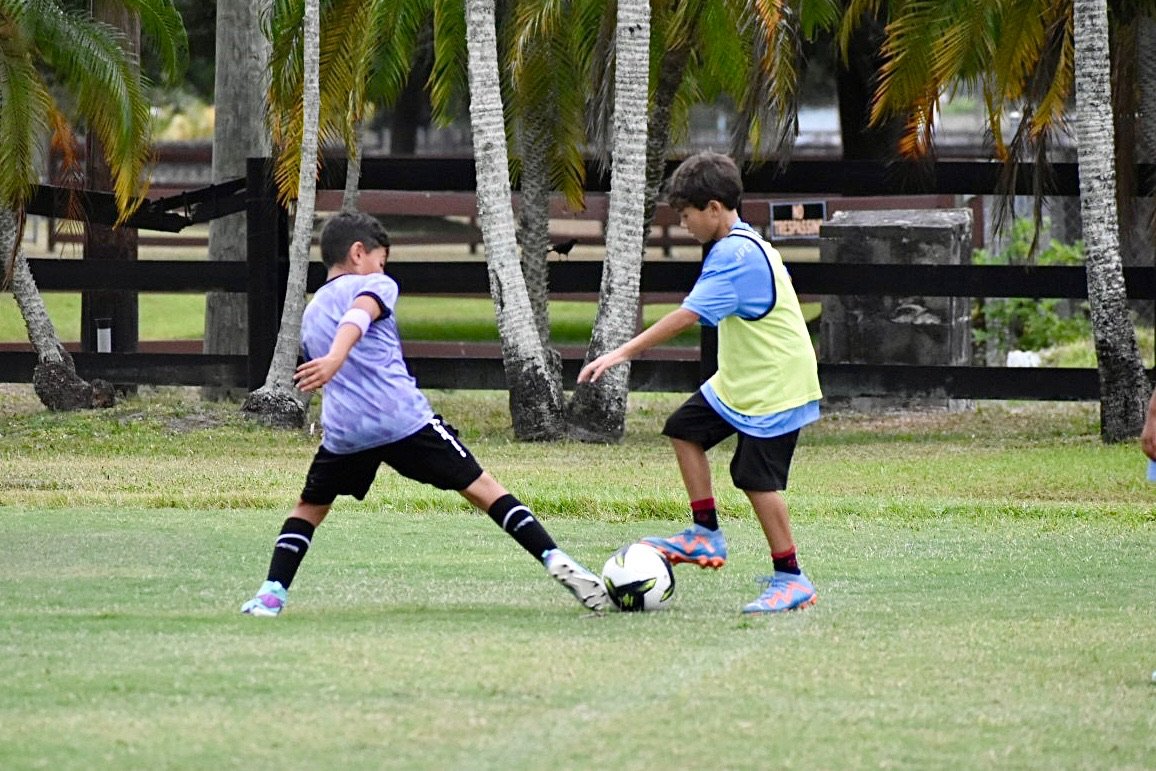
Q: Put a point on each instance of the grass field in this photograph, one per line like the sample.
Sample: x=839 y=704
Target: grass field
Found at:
x=987 y=600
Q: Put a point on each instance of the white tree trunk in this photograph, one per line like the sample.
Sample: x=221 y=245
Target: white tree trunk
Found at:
x=54 y=379
x=41 y=331
x=240 y=132
x=278 y=402
x=535 y=395
x=597 y=411
x=1123 y=384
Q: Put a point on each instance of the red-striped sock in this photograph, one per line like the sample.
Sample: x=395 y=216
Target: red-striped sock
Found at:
x=704 y=513
x=786 y=562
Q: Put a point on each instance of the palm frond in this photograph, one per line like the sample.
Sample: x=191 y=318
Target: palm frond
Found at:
x=89 y=60
x=908 y=59
x=853 y=16
x=398 y=27
x=1020 y=37
x=24 y=108
x=164 y=32
x=448 y=80
x=344 y=30
x=1049 y=112
x=769 y=100
x=818 y=16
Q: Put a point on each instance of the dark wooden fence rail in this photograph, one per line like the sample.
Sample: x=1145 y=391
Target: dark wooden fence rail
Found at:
x=263 y=279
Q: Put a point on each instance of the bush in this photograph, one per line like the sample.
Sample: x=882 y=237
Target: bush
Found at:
x=1003 y=325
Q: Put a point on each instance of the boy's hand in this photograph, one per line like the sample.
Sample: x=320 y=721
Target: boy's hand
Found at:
x=315 y=373
x=1148 y=439
x=594 y=369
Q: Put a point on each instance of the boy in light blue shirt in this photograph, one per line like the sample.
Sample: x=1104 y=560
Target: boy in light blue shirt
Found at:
x=765 y=390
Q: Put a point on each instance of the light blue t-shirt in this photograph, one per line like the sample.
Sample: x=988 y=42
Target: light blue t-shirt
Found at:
x=736 y=279
x=372 y=400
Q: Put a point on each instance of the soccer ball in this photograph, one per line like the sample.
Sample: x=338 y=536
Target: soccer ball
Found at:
x=638 y=577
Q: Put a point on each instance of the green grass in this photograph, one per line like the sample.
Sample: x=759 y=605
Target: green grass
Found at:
x=986 y=585
x=1082 y=353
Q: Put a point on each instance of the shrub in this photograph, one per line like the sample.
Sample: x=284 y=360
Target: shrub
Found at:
x=1002 y=325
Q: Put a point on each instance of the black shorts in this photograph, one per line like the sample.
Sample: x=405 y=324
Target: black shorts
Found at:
x=433 y=455
x=758 y=465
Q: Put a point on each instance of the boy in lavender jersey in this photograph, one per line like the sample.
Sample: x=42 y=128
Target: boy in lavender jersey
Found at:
x=374 y=413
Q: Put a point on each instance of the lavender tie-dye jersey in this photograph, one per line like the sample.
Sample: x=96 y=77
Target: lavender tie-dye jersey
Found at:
x=372 y=400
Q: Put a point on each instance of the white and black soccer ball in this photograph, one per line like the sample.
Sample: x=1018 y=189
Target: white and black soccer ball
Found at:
x=638 y=577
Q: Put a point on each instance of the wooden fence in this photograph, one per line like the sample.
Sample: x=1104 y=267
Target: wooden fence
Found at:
x=262 y=278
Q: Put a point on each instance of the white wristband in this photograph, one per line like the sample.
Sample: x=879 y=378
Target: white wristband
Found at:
x=358 y=317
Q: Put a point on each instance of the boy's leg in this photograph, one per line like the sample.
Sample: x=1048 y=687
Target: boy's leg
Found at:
x=520 y=523
x=763 y=464
x=702 y=543
x=694 y=466
x=774 y=517
x=330 y=474
x=288 y=551
x=787 y=589
x=510 y=514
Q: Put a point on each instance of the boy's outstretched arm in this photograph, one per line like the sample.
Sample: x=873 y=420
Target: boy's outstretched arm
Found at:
x=317 y=372
x=659 y=332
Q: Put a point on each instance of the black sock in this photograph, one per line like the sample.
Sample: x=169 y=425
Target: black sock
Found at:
x=289 y=550
x=786 y=562
x=704 y=513
x=519 y=522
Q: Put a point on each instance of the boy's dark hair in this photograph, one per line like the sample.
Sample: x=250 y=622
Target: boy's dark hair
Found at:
x=702 y=178
x=345 y=229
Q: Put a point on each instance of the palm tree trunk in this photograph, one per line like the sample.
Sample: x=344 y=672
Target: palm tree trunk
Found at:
x=534 y=233
x=1123 y=385
x=242 y=56
x=1146 y=81
x=597 y=411
x=54 y=379
x=351 y=198
x=278 y=402
x=671 y=71
x=535 y=394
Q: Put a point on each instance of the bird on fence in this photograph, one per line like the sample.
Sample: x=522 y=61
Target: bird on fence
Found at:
x=563 y=248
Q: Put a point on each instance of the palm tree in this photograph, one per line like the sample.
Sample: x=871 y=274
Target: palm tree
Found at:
x=597 y=411
x=1030 y=55
x=352 y=51
x=1124 y=386
x=535 y=394
x=85 y=59
x=278 y=402
x=547 y=51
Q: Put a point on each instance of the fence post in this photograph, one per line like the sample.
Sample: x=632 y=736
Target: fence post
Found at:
x=266 y=247
x=927 y=330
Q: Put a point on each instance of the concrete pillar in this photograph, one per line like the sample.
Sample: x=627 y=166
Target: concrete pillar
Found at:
x=873 y=329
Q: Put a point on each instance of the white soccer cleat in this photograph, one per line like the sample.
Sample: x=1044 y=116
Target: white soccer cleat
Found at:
x=586 y=587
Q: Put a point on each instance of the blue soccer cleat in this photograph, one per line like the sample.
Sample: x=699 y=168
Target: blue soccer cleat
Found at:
x=269 y=601
x=586 y=587
x=705 y=548
x=785 y=591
